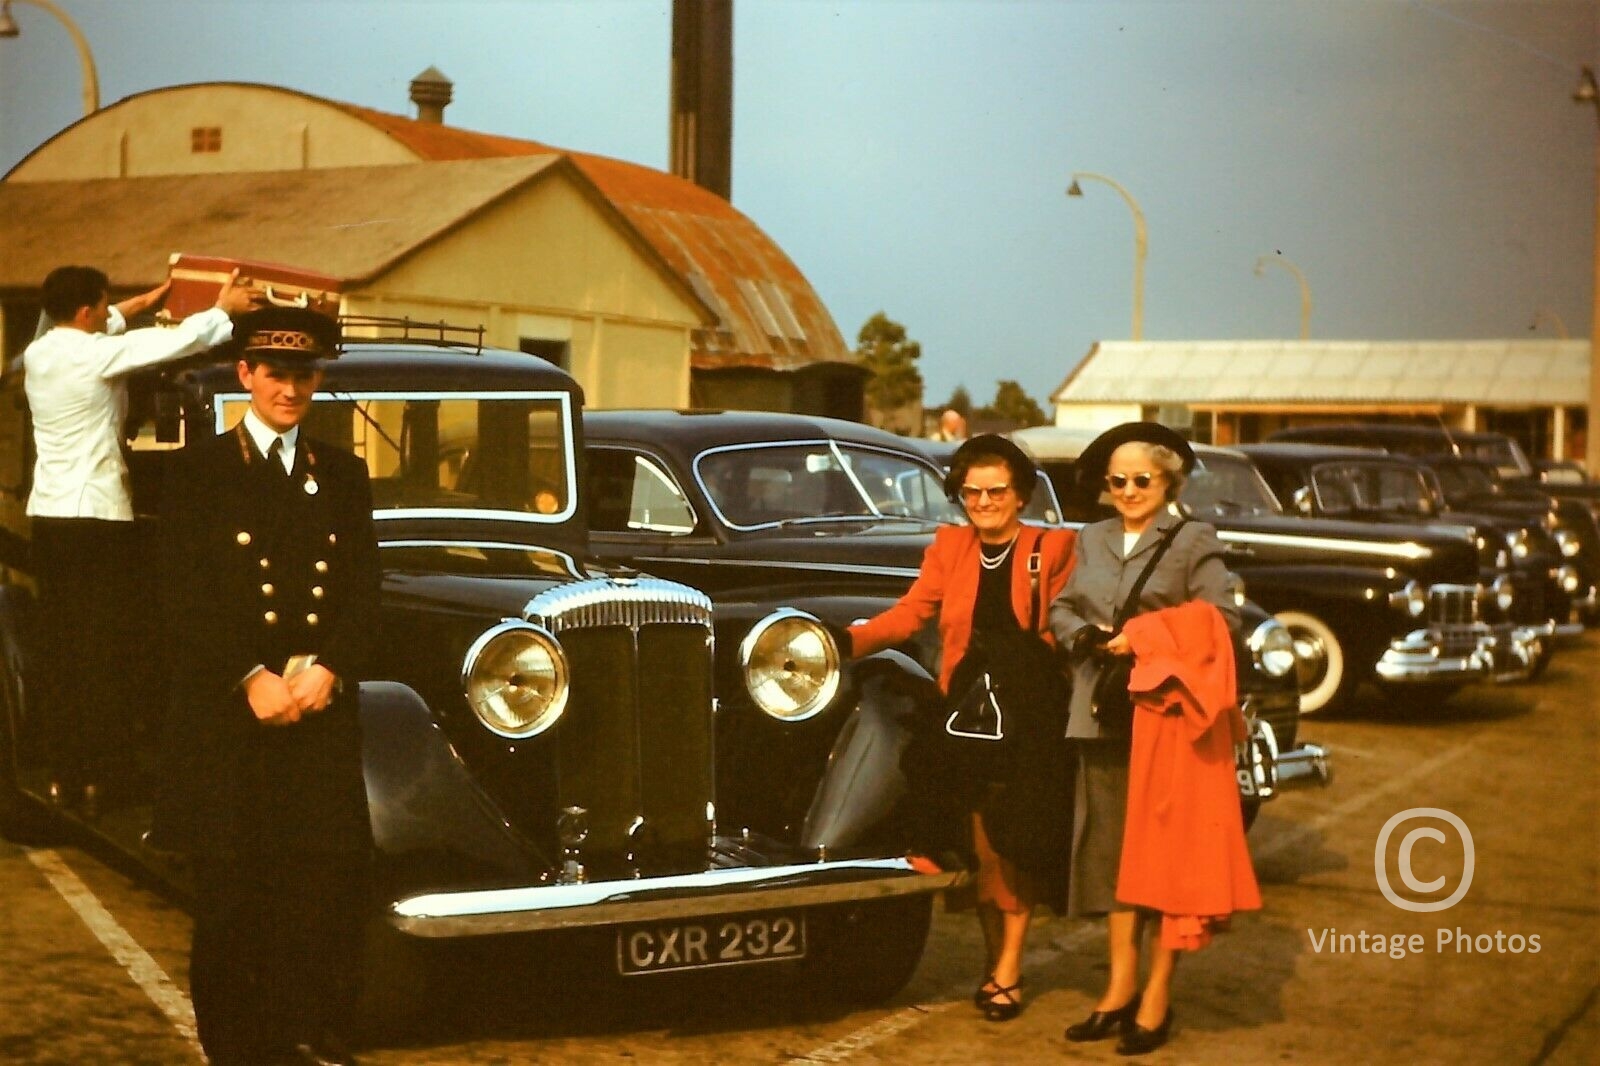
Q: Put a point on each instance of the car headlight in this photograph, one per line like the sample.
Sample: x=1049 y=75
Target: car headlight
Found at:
x=1517 y=541
x=791 y=665
x=1411 y=598
x=1568 y=542
x=516 y=680
x=1502 y=593
x=1272 y=647
x=1568 y=578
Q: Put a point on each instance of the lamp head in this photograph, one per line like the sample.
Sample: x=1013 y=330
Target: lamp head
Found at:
x=1586 y=93
x=1074 y=189
x=8 y=25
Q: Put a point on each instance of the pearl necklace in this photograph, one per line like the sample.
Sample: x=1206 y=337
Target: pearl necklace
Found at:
x=999 y=560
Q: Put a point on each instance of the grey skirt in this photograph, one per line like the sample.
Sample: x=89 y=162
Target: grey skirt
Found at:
x=1099 y=810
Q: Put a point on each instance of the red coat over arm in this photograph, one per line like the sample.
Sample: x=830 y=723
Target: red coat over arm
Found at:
x=1183 y=847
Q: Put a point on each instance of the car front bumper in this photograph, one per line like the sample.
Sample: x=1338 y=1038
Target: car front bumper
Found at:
x=721 y=890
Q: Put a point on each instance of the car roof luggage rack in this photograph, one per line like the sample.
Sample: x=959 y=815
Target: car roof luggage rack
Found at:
x=411 y=331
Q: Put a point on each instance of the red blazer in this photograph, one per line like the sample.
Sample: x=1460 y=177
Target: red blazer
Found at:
x=1183 y=847
x=947 y=586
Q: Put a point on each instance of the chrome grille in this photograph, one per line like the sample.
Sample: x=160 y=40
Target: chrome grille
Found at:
x=1452 y=605
x=631 y=602
x=635 y=750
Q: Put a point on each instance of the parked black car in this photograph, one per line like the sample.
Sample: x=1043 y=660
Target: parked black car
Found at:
x=1517 y=563
x=1573 y=504
x=557 y=743
x=1364 y=603
x=837 y=515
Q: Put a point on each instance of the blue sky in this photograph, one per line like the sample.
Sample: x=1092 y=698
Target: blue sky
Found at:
x=1423 y=164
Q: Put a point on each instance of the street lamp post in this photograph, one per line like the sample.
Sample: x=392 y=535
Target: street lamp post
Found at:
x=1305 y=287
x=91 y=80
x=1140 y=242
x=1588 y=92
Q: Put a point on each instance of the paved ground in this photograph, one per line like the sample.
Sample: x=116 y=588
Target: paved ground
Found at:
x=92 y=966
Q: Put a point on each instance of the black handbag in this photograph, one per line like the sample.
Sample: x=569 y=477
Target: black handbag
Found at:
x=1009 y=681
x=1111 y=703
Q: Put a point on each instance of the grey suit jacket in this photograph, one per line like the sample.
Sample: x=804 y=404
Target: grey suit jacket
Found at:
x=1192 y=569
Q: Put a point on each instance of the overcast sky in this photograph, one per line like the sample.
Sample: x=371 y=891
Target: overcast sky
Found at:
x=1423 y=164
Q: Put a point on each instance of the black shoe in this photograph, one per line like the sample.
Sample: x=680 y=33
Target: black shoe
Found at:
x=1003 y=1004
x=1136 y=1039
x=1102 y=1023
x=981 y=994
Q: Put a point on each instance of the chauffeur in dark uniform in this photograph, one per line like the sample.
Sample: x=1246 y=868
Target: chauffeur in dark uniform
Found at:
x=273 y=576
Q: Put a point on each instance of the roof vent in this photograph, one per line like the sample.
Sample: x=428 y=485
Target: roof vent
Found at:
x=430 y=91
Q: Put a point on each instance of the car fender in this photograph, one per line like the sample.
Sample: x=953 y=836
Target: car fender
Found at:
x=863 y=781
x=424 y=804
x=1363 y=590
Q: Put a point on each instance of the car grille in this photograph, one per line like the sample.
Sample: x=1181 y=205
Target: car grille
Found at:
x=1452 y=605
x=635 y=747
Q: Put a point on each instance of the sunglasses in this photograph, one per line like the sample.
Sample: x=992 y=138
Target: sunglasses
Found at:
x=973 y=493
x=1140 y=481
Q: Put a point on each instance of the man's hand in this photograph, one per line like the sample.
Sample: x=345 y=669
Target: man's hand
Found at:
x=312 y=688
x=234 y=298
x=1118 y=645
x=138 y=305
x=271 y=699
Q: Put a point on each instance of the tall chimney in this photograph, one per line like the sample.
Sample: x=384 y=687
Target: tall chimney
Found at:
x=702 y=93
x=430 y=91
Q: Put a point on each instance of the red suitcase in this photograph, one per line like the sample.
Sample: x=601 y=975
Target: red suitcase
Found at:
x=196 y=280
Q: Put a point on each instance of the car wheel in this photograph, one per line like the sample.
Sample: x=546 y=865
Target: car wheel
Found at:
x=1249 y=806
x=1322 y=663
x=863 y=953
x=1541 y=661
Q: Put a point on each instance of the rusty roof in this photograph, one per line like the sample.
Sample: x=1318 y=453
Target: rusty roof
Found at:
x=768 y=314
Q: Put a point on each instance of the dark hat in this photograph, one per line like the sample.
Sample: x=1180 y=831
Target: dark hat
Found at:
x=1093 y=461
x=285 y=335
x=990 y=446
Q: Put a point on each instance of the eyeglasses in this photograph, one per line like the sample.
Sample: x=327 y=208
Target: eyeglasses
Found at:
x=1140 y=481
x=974 y=493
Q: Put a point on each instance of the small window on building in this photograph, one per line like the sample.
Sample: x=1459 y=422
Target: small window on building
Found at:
x=557 y=352
x=205 y=139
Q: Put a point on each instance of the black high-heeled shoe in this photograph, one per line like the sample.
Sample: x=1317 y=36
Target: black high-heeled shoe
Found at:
x=1137 y=1040
x=1102 y=1023
x=981 y=994
x=1003 y=1004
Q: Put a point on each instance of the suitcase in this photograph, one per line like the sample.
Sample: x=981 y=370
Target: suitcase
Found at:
x=196 y=280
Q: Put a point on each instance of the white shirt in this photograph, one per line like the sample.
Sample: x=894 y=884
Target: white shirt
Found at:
x=78 y=400
x=264 y=435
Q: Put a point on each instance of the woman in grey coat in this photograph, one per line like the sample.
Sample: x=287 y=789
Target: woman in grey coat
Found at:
x=1143 y=466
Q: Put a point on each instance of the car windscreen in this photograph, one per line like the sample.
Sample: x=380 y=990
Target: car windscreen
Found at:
x=1354 y=486
x=1463 y=480
x=1225 y=484
x=806 y=481
x=1506 y=454
x=503 y=452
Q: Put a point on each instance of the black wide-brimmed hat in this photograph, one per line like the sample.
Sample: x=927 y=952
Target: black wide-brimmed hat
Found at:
x=1093 y=460
x=285 y=335
x=985 y=445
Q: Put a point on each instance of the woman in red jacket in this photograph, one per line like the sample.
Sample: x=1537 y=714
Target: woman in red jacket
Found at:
x=994 y=578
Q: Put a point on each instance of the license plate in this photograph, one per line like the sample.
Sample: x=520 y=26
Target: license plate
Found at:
x=730 y=940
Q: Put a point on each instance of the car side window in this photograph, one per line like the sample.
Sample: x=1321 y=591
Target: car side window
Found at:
x=630 y=492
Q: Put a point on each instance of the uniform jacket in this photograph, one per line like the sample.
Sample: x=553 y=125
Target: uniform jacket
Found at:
x=947 y=586
x=1192 y=569
x=1183 y=845
x=259 y=567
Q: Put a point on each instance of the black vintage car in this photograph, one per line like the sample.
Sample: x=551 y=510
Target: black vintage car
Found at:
x=1573 y=505
x=555 y=743
x=1519 y=564
x=1364 y=604
x=838 y=515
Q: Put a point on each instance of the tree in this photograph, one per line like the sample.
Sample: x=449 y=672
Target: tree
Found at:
x=891 y=357
x=1011 y=404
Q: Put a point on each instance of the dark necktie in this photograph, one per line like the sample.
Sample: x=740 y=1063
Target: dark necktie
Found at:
x=275 y=456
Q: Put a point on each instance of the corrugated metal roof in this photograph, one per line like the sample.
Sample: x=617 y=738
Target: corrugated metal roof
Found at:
x=341 y=220
x=1204 y=373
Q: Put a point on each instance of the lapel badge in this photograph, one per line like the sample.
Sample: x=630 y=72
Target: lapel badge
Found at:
x=311 y=485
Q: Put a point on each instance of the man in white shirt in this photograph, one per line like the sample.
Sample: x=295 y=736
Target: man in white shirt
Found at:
x=82 y=512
